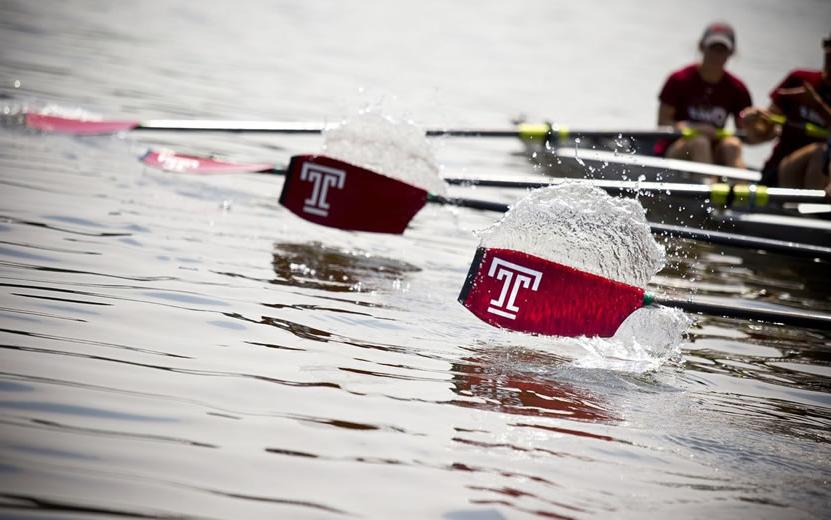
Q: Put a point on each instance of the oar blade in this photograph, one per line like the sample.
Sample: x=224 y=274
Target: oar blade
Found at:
x=171 y=161
x=73 y=126
x=525 y=293
x=337 y=194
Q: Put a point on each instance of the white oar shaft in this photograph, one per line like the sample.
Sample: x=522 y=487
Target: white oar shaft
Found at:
x=208 y=125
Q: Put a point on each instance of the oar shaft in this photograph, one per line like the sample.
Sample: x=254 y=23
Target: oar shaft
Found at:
x=713 y=237
x=794 y=318
x=289 y=127
x=207 y=125
x=486 y=205
x=744 y=241
x=755 y=195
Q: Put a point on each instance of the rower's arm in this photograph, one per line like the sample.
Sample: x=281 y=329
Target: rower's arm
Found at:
x=666 y=115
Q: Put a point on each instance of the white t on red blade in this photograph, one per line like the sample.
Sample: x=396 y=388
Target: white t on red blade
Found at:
x=66 y=125
x=180 y=163
x=334 y=193
x=525 y=293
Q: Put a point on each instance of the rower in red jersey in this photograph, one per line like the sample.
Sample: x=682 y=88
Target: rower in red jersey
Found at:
x=701 y=97
x=799 y=160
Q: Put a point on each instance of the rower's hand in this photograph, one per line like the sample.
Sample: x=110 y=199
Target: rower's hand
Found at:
x=757 y=124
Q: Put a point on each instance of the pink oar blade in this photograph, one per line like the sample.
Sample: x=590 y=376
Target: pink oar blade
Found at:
x=66 y=125
x=337 y=194
x=518 y=291
x=175 y=162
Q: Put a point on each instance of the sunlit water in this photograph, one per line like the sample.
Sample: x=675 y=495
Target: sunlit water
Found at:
x=183 y=346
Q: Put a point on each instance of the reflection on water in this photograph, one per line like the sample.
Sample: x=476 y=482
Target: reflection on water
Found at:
x=501 y=379
x=317 y=266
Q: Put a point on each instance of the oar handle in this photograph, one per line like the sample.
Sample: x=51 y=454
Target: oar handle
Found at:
x=788 y=317
x=721 y=133
x=810 y=129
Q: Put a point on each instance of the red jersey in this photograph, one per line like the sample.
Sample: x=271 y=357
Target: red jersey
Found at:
x=696 y=100
x=792 y=139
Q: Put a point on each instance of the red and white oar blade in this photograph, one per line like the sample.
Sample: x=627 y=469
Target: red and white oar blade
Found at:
x=176 y=162
x=68 y=125
x=337 y=194
x=517 y=291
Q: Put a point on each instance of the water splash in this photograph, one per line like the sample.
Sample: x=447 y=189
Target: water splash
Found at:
x=579 y=225
x=648 y=339
x=582 y=226
x=397 y=149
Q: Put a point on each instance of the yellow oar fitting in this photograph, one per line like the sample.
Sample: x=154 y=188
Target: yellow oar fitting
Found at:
x=719 y=193
x=761 y=195
x=750 y=196
x=721 y=133
x=742 y=196
x=533 y=131
x=777 y=118
x=688 y=132
x=812 y=130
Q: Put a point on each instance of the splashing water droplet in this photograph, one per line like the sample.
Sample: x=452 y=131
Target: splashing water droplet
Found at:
x=397 y=149
x=576 y=224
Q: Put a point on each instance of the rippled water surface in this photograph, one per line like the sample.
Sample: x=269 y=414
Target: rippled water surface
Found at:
x=182 y=346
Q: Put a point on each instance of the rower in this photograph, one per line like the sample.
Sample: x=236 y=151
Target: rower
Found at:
x=698 y=99
x=800 y=157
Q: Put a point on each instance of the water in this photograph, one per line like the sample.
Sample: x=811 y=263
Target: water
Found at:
x=182 y=346
x=397 y=149
x=581 y=226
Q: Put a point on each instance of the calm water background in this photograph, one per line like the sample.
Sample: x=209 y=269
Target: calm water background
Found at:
x=182 y=346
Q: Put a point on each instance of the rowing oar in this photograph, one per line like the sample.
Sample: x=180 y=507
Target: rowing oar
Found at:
x=569 y=302
x=354 y=202
x=528 y=131
x=525 y=293
x=719 y=194
x=80 y=126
